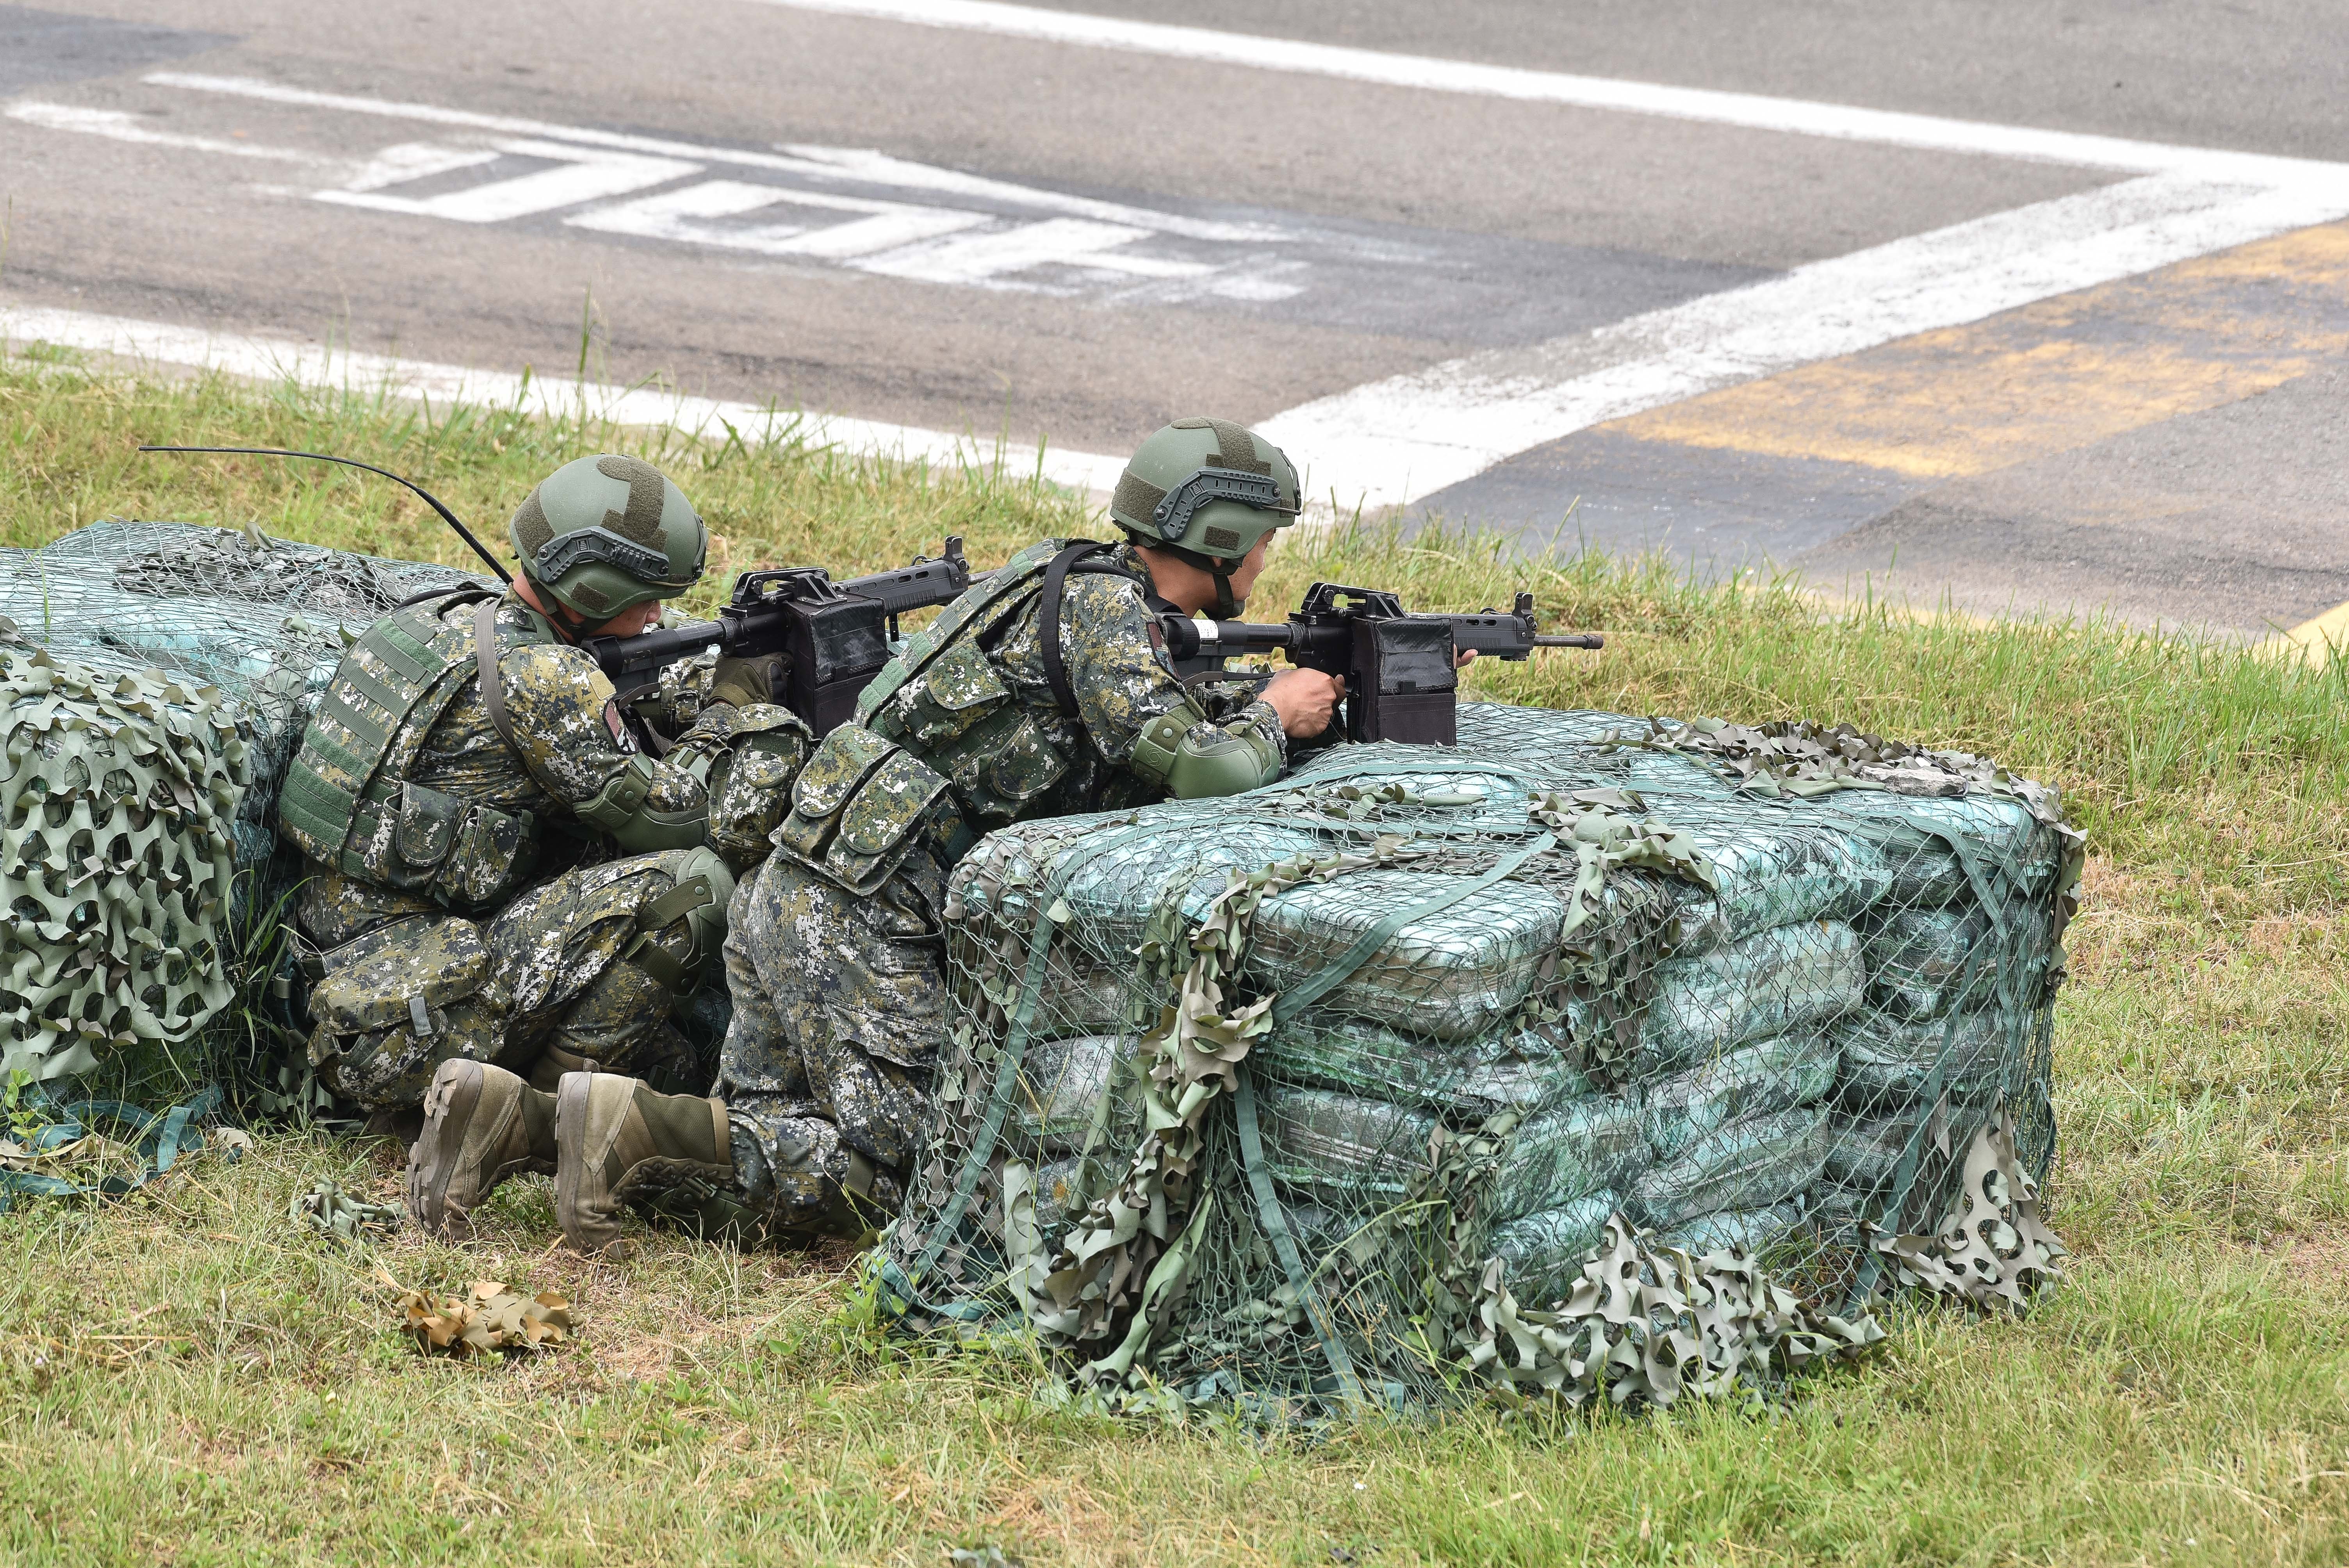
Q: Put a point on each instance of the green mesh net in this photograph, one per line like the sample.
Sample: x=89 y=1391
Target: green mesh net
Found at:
x=159 y=678
x=1332 y=1089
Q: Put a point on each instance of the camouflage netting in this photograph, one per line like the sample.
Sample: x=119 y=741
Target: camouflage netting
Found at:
x=158 y=679
x=1330 y=1090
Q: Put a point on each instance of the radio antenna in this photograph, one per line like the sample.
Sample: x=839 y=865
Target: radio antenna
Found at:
x=498 y=568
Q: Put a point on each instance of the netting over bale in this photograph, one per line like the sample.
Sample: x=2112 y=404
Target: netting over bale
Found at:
x=1275 y=1095
x=158 y=680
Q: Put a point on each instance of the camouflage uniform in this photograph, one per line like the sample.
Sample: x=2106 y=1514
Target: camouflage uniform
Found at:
x=470 y=908
x=836 y=953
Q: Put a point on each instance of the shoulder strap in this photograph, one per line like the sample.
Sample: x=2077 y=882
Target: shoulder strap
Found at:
x=1048 y=626
x=1002 y=585
x=485 y=663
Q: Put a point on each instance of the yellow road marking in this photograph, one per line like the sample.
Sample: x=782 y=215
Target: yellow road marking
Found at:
x=2314 y=641
x=2050 y=377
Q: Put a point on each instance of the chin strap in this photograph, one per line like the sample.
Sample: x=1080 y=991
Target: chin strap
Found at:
x=1226 y=607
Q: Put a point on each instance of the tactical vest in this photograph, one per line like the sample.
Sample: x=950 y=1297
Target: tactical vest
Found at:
x=347 y=802
x=938 y=719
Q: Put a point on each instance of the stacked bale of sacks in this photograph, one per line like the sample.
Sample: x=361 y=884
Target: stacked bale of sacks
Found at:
x=1843 y=996
x=157 y=678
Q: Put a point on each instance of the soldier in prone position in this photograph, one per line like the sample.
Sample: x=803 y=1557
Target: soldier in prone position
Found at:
x=497 y=873
x=1043 y=691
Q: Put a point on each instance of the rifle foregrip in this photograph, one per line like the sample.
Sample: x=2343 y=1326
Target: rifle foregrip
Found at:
x=913 y=587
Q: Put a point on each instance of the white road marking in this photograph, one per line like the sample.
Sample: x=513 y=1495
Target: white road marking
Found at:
x=979 y=258
x=1402 y=439
x=580 y=175
x=117 y=126
x=1750 y=111
x=415 y=160
x=849 y=164
x=684 y=215
x=1394 y=441
x=312 y=365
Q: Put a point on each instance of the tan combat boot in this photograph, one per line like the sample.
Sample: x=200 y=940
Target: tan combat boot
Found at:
x=481 y=1125
x=614 y=1136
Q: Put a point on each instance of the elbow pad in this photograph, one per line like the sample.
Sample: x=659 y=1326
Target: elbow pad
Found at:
x=619 y=808
x=1230 y=762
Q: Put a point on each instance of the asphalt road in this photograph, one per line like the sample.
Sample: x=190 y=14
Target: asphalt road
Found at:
x=2093 y=370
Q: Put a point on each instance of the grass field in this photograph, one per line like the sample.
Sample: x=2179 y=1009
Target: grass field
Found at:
x=189 y=1379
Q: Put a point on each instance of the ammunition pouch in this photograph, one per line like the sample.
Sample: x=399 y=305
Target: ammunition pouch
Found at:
x=464 y=854
x=960 y=719
x=749 y=782
x=860 y=805
x=618 y=810
x=398 y=1002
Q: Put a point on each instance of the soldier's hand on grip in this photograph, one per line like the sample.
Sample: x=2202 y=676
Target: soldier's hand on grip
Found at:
x=1307 y=700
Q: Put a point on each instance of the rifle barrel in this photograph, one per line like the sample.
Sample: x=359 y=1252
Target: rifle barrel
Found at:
x=1586 y=640
x=662 y=645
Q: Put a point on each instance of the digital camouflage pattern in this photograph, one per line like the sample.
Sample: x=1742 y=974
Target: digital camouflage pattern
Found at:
x=569 y=744
x=827 y=1065
x=544 y=981
x=566 y=976
x=839 y=993
x=1055 y=763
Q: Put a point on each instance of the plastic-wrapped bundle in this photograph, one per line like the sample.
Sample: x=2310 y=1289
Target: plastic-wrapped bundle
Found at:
x=1888 y=1062
x=1917 y=958
x=1744 y=1229
x=1748 y=1164
x=1324 y=1144
x=1775 y=875
x=1590 y=975
x=1769 y=983
x=1568 y=1152
x=1912 y=835
x=1459 y=971
x=1321 y=1142
x=1543 y=1251
x=1522 y=1071
x=1064 y=1085
x=1773 y=1074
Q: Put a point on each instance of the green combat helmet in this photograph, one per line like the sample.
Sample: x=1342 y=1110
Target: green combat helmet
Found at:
x=1205 y=490
x=602 y=535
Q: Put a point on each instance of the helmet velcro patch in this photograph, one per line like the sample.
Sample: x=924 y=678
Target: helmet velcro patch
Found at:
x=648 y=495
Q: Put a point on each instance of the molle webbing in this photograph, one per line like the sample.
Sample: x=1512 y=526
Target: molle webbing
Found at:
x=415 y=650
x=1002 y=585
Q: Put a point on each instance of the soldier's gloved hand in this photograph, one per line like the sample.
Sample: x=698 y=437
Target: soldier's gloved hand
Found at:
x=1306 y=701
x=745 y=681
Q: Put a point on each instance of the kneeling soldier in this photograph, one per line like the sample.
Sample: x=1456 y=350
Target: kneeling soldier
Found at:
x=1044 y=691
x=463 y=795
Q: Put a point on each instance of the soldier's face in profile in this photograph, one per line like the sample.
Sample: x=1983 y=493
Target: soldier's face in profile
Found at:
x=1250 y=568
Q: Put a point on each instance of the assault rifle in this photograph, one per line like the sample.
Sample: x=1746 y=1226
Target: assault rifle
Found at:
x=1400 y=669
x=836 y=634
